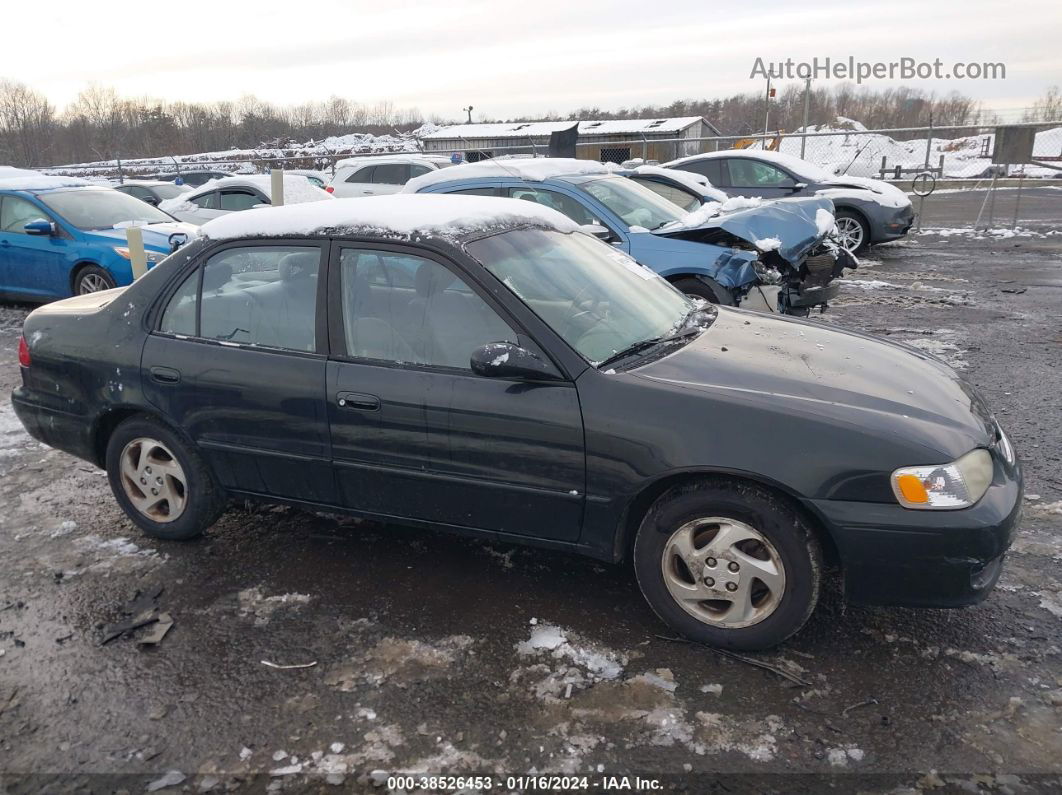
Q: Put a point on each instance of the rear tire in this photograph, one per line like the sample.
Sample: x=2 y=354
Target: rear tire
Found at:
x=707 y=288
x=728 y=563
x=160 y=481
x=92 y=279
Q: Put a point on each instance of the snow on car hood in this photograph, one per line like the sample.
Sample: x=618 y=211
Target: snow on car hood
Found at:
x=792 y=227
x=160 y=237
x=884 y=193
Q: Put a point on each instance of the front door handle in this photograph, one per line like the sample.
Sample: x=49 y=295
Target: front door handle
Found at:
x=165 y=375
x=358 y=401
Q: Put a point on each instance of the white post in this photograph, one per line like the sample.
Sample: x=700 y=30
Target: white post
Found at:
x=277 y=187
x=137 y=256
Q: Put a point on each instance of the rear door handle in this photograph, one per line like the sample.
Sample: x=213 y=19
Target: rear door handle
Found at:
x=165 y=375
x=358 y=401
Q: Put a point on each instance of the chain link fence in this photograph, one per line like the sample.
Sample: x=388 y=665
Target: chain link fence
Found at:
x=955 y=158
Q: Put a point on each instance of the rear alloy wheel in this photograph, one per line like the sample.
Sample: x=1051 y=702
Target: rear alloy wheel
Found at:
x=728 y=563
x=852 y=231
x=706 y=288
x=160 y=481
x=92 y=279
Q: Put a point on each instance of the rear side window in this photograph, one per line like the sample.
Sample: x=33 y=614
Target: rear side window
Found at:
x=363 y=174
x=391 y=174
x=713 y=169
x=208 y=201
x=254 y=295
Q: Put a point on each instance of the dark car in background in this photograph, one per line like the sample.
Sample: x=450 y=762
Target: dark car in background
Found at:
x=195 y=178
x=867 y=211
x=154 y=192
x=482 y=365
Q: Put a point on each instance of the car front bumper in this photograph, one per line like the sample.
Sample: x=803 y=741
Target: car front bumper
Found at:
x=891 y=555
x=891 y=223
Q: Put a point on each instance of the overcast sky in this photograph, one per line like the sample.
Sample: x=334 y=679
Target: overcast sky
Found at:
x=509 y=59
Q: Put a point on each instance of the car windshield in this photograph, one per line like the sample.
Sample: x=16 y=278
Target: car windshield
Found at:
x=101 y=209
x=169 y=190
x=634 y=203
x=599 y=300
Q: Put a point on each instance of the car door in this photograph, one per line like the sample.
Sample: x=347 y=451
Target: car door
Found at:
x=388 y=178
x=415 y=433
x=237 y=360
x=751 y=177
x=31 y=264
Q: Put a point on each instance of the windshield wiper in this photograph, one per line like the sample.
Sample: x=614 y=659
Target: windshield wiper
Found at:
x=652 y=342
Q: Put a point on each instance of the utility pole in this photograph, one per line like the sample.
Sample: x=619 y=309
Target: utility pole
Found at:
x=807 y=105
x=468 y=110
x=766 y=108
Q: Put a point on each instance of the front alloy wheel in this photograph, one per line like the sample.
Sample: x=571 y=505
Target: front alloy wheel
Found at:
x=851 y=233
x=723 y=572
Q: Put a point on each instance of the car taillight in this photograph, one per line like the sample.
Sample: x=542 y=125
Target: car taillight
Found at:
x=329 y=189
x=23 y=352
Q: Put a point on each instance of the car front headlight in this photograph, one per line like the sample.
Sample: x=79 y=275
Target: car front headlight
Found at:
x=944 y=487
x=1006 y=449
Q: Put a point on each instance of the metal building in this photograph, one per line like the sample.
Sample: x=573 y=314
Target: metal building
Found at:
x=610 y=140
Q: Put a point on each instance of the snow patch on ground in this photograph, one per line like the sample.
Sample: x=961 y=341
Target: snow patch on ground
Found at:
x=942 y=343
x=595 y=662
x=12 y=435
x=252 y=602
x=400 y=660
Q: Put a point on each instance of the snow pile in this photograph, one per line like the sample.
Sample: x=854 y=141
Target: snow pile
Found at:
x=553 y=642
x=856 y=153
x=533 y=169
x=397 y=215
x=769 y=244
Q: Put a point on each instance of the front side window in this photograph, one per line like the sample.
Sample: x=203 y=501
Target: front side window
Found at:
x=635 y=204
x=261 y=295
x=15 y=213
x=406 y=309
x=596 y=298
x=101 y=208
x=746 y=173
x=418 y=170
x=240 y=200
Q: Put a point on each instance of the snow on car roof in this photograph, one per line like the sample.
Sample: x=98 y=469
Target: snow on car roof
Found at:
x=34 y=181
x=297 y=189
x=532 y=128
x=800 y=167
x=533 y=169
x=396 y=215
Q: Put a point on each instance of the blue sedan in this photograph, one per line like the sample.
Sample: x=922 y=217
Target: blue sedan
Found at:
x=61 y=237
x=719 y=252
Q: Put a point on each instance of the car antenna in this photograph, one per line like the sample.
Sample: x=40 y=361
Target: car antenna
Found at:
x=857 y=154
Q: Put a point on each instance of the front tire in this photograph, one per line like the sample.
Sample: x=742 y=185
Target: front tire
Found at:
x=852 y=231
x=92 y=279
x=706 y=288
x=728 y=563
x=160 y=481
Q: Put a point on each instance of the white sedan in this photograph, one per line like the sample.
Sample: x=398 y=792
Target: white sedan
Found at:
x=232 y=194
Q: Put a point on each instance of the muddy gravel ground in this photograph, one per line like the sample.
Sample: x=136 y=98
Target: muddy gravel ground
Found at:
x=435 y=654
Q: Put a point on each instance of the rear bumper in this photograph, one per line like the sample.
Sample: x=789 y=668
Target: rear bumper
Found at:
x=66 y=431
x=895 y=556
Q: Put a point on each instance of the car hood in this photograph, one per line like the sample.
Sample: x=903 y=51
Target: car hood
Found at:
x=883 y=192
x=816 y=370
x=157 y=237
x=792 y=227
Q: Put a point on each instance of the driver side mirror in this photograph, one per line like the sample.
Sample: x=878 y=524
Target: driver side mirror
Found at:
x=152 y=200
x=40 y=227
x=799 y=186
x=597 y=230
x=508 y=360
